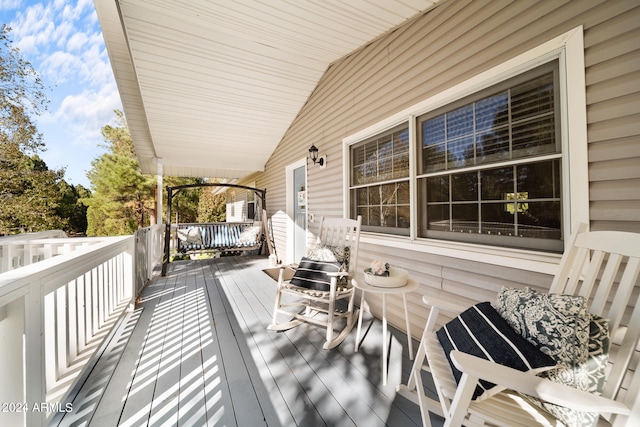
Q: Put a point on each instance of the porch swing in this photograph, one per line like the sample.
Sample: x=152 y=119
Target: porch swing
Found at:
x=214 y=237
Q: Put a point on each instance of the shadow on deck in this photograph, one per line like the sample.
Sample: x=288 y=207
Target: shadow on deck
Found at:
x=196 y=352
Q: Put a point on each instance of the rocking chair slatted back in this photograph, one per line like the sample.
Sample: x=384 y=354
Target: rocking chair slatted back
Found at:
x=340 y=232
x=604 y=269
x=601 y=266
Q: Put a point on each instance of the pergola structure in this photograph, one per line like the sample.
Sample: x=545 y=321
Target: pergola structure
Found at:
x=174 y=191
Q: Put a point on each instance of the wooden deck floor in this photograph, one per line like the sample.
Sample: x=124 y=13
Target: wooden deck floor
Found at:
x=196 y=352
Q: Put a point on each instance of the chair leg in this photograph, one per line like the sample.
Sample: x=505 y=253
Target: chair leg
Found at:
x=461 y=401
x=331 y=311
x=275 y=326
x=414 y=390
x=332 y=339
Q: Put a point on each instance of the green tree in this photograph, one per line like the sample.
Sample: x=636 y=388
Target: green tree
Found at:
x=212 y=206
x=185 y=202
x=28 y=189
x=71 y=207
x=123 y=199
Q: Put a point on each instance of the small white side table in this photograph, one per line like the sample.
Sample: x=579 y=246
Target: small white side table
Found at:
x=411 y=286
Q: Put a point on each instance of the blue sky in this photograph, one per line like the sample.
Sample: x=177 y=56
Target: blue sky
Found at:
x=63 y=41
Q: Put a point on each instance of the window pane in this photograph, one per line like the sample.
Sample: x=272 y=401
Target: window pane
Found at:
x=374 y=195
x=465 y=217
x=374 y=216
x=464 y=186
x=534 y=137
x=433 y=158
x=381 y=159
x=493 y=145
x=532 y=105
x=404 y=216
x=533 y=98
x=388 y=194
x=498 y=219
x=460 y=122
x=542 y=218
x=496 y=183
x=438 y=217
x=385 y=158
x=438 y=189
x=389 y=216
x=461 y=153
x=539 y=180
x=492 y=112
x=433 y=145
x=363 y=211
x=433 y=131
x=361 y=196
x=403 y=193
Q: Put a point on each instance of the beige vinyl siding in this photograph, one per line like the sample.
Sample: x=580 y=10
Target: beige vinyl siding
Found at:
x=453 y=42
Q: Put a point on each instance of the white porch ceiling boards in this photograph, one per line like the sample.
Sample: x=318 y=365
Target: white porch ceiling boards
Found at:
x=210 y=87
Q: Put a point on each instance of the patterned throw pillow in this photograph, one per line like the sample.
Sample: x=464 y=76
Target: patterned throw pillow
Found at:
x=599 y=344
x=560 y=326
x=341 y=254
x=312 y=274
x=481 y=331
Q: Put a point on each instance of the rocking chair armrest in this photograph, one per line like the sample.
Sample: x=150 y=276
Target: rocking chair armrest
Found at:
x=532 y=385
x=443 y=304
x=338 y=274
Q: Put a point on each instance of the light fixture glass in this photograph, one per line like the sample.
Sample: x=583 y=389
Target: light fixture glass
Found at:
x=313 y=155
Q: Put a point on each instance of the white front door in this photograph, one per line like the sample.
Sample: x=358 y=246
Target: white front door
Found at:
x=296 y=211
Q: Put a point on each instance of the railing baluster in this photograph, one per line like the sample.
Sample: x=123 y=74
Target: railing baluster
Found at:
x=52 y=312
x=60 y=331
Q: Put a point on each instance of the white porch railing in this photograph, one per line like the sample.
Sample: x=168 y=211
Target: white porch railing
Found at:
x=55 y=313
x=24 y=249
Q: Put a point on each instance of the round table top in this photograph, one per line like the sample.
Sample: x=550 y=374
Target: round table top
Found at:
x=359 y=283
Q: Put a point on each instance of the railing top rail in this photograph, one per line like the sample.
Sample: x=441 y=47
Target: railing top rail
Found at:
x=34 y=236
x=60 y=267
x=52 y=240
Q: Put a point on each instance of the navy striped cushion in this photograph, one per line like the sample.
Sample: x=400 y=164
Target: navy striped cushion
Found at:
x=481 y=331
x=312 y=274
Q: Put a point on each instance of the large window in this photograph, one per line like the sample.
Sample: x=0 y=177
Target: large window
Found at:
x=379 y=181
x=489 y=168
x=482 y=169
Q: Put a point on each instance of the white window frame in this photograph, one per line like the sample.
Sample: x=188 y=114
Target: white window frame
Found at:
x=568 y=49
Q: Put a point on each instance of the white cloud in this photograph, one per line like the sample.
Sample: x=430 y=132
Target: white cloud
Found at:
x=87 y=112
x=63 y=42
x=10 y=4
x=77 y=41
x=33 y=28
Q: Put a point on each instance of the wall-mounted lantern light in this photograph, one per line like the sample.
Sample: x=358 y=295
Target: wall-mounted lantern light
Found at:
x=313 y=155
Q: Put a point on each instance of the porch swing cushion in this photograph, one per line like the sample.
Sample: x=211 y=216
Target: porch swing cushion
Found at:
x=482 y=332
x=250 y=236
x=312 y=274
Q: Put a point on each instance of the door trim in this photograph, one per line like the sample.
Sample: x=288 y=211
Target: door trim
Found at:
x=289 y=205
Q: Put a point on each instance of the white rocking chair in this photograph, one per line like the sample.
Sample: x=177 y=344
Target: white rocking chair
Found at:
x=322 y=280
x=602 y=267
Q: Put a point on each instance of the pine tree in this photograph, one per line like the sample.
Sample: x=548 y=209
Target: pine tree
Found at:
x=123 y=198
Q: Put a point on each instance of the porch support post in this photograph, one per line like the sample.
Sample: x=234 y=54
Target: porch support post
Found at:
x=159 y=174
x=167 y=234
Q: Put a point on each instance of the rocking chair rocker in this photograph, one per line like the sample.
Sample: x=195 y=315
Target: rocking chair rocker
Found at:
x=602 y=267
x=320 y=291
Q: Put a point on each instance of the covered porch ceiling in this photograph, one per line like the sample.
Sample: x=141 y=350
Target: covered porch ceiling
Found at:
x=209 y=87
